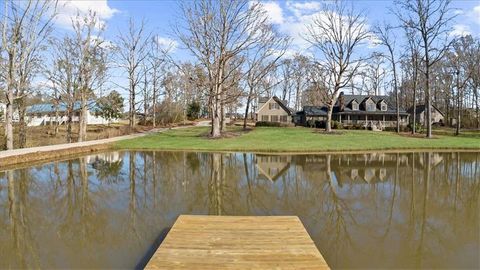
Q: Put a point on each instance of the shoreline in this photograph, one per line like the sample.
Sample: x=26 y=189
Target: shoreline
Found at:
x=10 y=158
x=263 y=142
x=38 y=158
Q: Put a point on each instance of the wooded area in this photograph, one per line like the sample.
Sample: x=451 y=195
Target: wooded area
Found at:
x=237 y=56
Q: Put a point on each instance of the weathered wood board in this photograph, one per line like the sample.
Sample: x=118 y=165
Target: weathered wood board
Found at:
x=237 y=242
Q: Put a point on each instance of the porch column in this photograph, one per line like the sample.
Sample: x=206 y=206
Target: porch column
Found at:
x=366 y=121
x=384 y=120
x=348 y=118
x=340 y=118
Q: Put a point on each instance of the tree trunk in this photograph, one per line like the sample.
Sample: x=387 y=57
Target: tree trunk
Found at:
x=9 y=106
x=215 y=133
x=477 y=109
x=247 y=108
x=131 y=118
x=69 y=122
x=82 y=136
x=397 y=100
x=223 y=122
x=217 y=106
x=459 y=106
x=414 y=121
x=57 y=121
x=154 y=100
x=415 y=78
x=9 y=123
x=328 y=124
x=216 y=114
x=22 y=126
x=145 y=98
x=429 y=101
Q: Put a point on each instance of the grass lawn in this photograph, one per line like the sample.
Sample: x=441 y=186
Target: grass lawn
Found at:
x=269 y=139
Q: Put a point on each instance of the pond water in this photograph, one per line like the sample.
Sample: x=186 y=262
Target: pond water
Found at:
x=110 y=210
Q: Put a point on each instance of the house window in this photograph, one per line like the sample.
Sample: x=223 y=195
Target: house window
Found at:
x=274 y=118
x=371 y=106
x=355 y=106
x=384 y=107
x=265 y=118
x=283 y=118
x=273 y=106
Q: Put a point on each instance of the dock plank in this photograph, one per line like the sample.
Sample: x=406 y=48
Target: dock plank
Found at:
x=237 y=242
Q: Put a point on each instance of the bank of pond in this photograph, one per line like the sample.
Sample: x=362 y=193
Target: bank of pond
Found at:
x=373 y=210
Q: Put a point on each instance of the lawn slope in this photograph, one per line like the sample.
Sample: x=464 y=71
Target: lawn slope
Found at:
x=294 y=140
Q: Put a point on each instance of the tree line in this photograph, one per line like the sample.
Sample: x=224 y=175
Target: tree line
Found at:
x=237 y=56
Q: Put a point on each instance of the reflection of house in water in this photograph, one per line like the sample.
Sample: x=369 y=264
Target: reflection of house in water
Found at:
x=366 y=168
x=109 y=157
x=272 y=167
x=435 y=159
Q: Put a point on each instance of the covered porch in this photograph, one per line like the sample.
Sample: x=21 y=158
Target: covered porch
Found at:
x=371 y=119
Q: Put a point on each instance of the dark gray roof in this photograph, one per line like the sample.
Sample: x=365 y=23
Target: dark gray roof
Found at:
x=391 y=104
x=362 y=98
x=322 y=110
x=283 y=104
x=421 y=108
x=315 y=110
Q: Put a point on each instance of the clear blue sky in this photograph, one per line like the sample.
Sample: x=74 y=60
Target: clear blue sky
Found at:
x=288 y=16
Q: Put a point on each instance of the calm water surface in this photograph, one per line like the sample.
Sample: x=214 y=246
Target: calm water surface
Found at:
x=408 y=210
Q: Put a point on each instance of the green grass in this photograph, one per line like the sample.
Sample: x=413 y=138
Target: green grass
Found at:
x=269 y=139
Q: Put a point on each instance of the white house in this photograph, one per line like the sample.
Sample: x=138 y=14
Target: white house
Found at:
x=43 y=114
x=3 y=112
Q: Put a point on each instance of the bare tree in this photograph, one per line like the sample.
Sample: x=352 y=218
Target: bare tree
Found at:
x=429 y=19
x=301 y=64
x=474 y=83
x=374 y=73
x=218 y=33
x=63 y=76
x=388 y=39
x=337 y=34
x=156 y=61
x=24 y=26
x=286 y=85
x=459 y=62
x=146 y=91
x=260 y=61
x=78 y=69
x=413 y=59
x=92 y=63
x=132 y=48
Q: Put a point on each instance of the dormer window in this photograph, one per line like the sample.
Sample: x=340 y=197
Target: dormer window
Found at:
x=383 y=106
x=354 y=106
x=370 y=106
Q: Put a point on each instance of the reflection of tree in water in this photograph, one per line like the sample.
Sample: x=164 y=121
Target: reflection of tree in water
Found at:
x=337 y=212
x=25 y=246
x=108 y=171
x=132 y=205
x=215 y=185
x=361 y=210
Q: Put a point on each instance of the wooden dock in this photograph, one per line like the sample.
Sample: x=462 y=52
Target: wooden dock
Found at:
x=231 y=242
